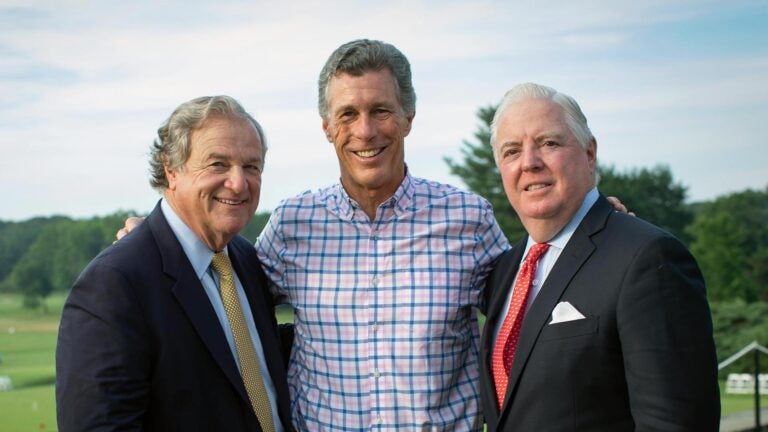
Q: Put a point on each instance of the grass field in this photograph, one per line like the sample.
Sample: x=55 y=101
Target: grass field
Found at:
x=27 y=346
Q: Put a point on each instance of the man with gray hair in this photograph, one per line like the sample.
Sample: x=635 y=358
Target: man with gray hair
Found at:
x=173 y=327
x=596 y=321
x=383 y=269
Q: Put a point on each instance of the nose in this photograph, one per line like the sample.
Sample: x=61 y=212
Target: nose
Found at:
x=364 y=128
x=531 y=158
x=236 y=180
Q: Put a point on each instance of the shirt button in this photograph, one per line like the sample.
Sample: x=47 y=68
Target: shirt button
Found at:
x=375 y=327
x=376 y=373
x=379 y=420
x=375 y=281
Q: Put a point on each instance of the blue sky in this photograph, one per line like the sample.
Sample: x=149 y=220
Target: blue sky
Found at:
x=85 y=85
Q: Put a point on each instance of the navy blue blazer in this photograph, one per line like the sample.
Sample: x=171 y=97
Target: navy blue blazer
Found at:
x=643 y=359
x=140 y=346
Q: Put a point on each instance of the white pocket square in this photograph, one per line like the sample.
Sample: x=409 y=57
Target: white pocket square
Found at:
x=564 y=312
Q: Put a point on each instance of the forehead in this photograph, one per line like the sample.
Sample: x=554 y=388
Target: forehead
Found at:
x=530 y=112
x=371 y=86
x=219 y=133
x=531 y=115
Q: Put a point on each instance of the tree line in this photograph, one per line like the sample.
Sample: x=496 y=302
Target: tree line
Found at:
x=728 y=236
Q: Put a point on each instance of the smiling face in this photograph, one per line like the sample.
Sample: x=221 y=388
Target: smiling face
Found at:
x=216 y=191
x=545 y=171
x=368 y=127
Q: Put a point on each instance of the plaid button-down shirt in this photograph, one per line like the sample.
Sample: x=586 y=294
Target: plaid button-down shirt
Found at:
x=386 y=336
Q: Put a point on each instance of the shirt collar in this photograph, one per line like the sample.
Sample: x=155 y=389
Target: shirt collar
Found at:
x=400 y=201
x=561 y=239
x=197 y=252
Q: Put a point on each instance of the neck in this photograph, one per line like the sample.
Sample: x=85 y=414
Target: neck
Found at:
x=213 y=240
x=543 y=230
x=370 y=201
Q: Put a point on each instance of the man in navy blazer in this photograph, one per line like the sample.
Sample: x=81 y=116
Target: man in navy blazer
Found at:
x=145 y=342
x=616 y=331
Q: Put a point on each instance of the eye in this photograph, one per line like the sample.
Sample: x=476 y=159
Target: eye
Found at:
x=217 y=166
x=551 y=143
x=253 y=169
x=509 y=152
x=381 y=113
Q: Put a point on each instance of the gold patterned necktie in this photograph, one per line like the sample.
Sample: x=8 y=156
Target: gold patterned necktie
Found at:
x=249 y=364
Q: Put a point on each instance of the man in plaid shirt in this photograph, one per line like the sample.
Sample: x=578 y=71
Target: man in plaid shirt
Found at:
x=384 y=270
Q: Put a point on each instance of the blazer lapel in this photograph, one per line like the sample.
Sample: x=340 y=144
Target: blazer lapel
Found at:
x=576 y=252
x=194 y=302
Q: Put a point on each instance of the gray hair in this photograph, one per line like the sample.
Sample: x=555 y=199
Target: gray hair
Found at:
x=363 y=55
x=171 y=147
x=576 y=120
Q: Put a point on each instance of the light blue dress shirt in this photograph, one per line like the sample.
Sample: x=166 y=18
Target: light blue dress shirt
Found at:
x=200 y=257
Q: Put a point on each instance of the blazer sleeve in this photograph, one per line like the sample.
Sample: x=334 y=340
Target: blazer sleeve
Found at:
x=665 y=328
x=103 y=359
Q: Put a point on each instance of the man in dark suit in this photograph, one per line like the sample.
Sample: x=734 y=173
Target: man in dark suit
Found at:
x=604 y=325
x=159 y=333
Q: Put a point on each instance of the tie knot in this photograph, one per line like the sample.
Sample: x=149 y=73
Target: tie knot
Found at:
x=221 y=264
x=537 y=251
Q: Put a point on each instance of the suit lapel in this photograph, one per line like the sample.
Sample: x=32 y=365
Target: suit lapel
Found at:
x=191 y=296
x=572 y=258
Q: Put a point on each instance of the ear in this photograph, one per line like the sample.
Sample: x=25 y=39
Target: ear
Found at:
x=409 y=123
x=592 y=154
x=171 y=176
x=326 y=130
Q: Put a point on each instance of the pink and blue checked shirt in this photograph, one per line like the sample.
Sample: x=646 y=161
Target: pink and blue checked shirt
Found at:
x=386 y=337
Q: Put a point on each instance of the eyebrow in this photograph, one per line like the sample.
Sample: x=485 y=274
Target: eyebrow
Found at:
x=215 y=156
x=551 y=135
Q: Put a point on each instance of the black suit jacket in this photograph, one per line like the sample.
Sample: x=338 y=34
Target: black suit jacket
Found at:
x=140 y=346
x=644 y=357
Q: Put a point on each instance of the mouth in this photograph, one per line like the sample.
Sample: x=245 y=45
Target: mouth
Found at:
x=230 y=201
x=536 y=186
x=367 y=154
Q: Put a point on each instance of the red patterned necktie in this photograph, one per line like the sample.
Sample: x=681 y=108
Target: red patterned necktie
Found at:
x=506 y=343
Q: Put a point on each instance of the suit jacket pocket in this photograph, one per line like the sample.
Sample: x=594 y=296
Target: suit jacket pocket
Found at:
x=569 y=329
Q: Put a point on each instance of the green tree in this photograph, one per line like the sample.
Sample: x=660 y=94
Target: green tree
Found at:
x=254 y=227
x=479 y=172
x=736 y=324
x=58 y=254
x=15 y=238
x=731 y=245
x=652 y=194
